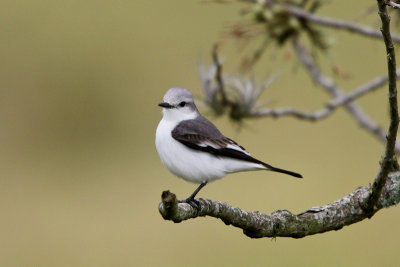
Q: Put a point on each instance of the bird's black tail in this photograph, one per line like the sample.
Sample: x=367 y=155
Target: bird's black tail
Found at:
x=271 y=168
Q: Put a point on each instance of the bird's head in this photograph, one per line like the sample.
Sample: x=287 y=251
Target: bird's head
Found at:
x=179 y=105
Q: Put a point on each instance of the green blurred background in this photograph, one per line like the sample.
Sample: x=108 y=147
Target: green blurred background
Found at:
x=80 y=177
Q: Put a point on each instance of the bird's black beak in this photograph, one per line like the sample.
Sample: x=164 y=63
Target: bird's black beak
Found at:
x=165 y=105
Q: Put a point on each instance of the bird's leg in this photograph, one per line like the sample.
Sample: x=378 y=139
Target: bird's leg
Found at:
x=193 y=202
x=197 y=190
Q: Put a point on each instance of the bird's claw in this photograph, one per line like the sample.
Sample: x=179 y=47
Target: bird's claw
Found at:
x=192 y=202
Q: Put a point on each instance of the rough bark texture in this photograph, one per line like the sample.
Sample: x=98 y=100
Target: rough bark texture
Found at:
x=389 y=161
x=283 y=223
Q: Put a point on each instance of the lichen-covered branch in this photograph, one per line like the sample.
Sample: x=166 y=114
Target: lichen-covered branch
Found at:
x=283 y=223
x=389 y=162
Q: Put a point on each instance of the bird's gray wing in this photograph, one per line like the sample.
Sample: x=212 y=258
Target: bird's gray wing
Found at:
x=200 y=134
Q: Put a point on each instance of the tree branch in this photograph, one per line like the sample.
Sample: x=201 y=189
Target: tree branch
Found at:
x=327 y=21
x=393 y=4
x=218 y=76
x=389 y=162
x=330 y=107
x=283 y=223
x=362 y=90
x=363 y=203
x=330 y=87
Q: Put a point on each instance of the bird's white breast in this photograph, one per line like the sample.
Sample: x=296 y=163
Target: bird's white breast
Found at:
x=193 y=165
x=182 y=161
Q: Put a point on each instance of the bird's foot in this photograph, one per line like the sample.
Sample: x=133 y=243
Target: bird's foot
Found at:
x=192 y=202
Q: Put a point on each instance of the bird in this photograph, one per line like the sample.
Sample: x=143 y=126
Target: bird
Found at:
x=192 y=148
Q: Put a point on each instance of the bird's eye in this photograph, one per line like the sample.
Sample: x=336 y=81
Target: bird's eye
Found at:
x=182 y=104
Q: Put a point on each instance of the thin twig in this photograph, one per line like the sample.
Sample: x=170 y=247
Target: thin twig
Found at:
x=218 y=76
x=330 y=107
x=282 y=112
x=362 y=90
x=389 y=160
x=330 y=87
x=327 y=21
x=393 y=4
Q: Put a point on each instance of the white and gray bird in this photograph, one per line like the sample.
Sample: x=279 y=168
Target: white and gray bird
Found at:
x=192 y=148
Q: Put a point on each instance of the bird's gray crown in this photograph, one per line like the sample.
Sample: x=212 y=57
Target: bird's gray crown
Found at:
x=175 y=96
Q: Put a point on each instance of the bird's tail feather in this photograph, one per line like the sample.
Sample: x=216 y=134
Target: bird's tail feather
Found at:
x=271 y=168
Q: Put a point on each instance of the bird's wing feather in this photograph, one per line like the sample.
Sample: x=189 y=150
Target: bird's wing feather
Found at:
x=201 y=134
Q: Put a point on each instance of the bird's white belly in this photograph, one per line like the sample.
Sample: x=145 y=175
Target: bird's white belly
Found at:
x=192 y=165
